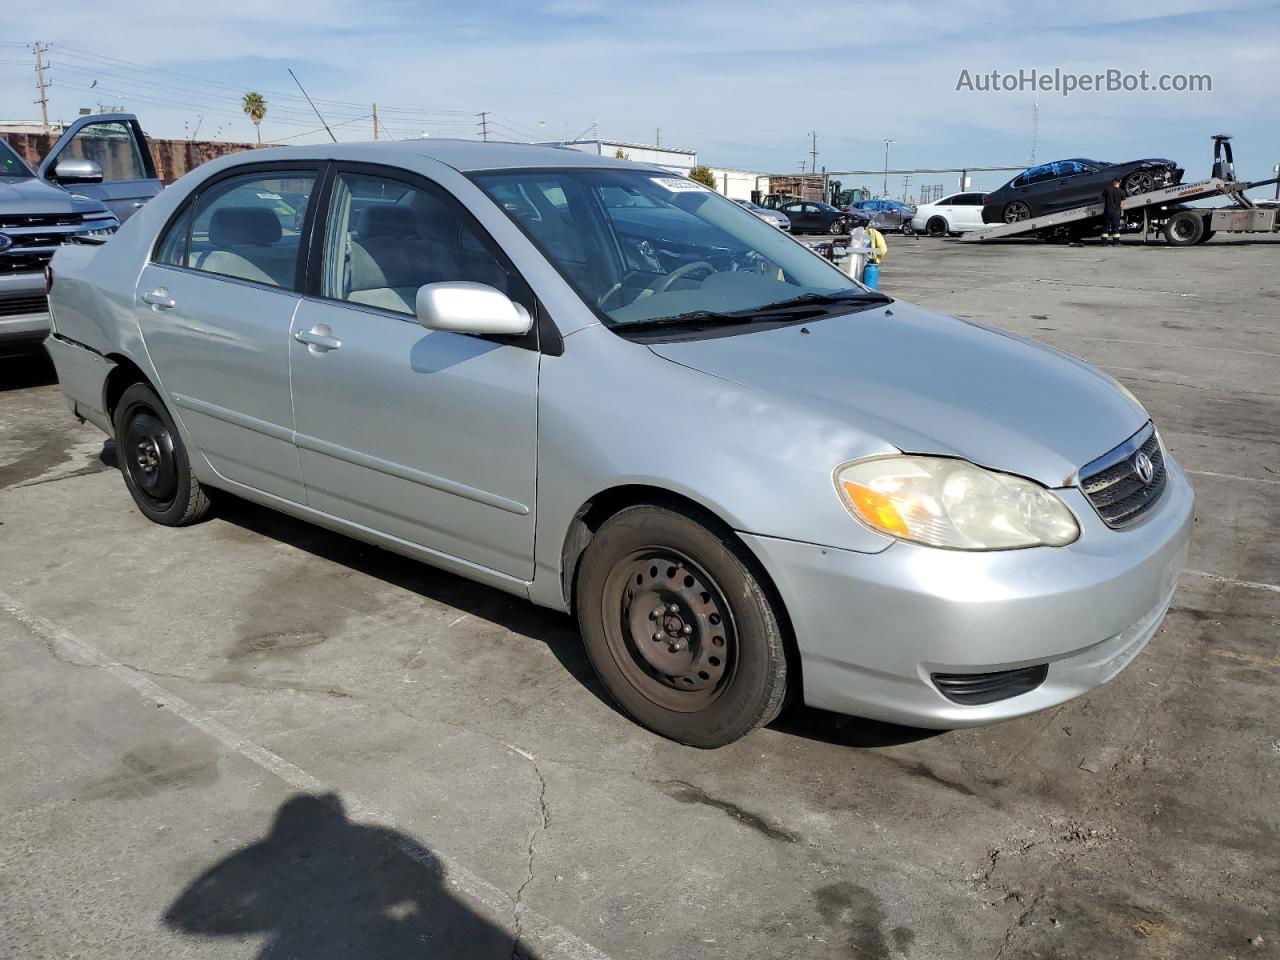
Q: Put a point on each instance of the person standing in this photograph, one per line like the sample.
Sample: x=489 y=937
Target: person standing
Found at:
x=1112 y=213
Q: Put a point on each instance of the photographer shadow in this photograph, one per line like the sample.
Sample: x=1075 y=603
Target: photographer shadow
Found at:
x=323 y=887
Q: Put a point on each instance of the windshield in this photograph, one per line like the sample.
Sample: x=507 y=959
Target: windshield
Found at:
x=639 y=245
x=11 y=165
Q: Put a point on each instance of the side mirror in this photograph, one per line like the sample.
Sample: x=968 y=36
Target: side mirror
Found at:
x=463 y=307
x=75 y=170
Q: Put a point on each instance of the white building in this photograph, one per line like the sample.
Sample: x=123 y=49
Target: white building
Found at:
x=738 y=184
x=675 y=159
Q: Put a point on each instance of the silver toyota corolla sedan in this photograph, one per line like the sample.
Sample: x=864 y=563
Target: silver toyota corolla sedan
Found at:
x=607 y=389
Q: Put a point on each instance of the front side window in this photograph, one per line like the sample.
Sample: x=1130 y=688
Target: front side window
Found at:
x=112 y=146
x=669 y=248
x=247 y=227
x=386 y=238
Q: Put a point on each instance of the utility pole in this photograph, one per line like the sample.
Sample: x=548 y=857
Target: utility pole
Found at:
x=375 y=121
x=41 y=84
x=657 y=137
x=885 y=190
x=813 y=152
x=484 y=126
x=1035 y=129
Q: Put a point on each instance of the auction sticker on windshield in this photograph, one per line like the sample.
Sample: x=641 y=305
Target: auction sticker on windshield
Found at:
x=677 y=184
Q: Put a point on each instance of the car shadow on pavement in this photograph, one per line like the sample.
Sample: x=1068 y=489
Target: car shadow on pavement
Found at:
x=557 y=630
x=26 y=370
x=323 y=887
x=840 y=730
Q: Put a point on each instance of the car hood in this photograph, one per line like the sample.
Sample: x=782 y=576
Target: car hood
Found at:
x=928 y=383
x=31 y=196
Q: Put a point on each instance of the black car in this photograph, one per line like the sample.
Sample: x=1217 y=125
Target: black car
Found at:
x=1064 y=184
x=811 y=216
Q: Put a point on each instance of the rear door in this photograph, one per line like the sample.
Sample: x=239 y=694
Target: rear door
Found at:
x=116 y=143
x=965 y=211
x=215 y=305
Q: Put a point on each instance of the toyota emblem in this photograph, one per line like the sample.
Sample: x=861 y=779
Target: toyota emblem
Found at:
x=1143 y=468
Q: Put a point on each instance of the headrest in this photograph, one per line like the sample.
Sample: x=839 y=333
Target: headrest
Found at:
x=387 y=220
x=233 y=226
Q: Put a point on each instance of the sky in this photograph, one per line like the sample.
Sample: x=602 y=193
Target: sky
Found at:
x=743 y=82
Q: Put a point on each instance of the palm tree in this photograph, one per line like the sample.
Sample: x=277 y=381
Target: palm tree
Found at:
x=256 y=107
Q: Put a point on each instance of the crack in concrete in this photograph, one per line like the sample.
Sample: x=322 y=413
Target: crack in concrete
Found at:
x=544 y=820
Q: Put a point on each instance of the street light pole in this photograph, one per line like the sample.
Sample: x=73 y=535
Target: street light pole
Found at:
x=885 y=190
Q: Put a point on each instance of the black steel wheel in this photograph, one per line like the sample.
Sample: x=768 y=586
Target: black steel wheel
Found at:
x=1140 y=181
x=937 y=227
x=679 y=628
x=154 y=462
x=1184 y=228
x=1016 y=211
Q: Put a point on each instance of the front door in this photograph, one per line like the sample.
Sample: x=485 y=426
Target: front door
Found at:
x=215 y=305
x=428 y=436
x=117 y=145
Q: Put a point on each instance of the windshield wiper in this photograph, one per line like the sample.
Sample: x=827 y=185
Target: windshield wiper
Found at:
x=692 y=318
x=824 y=299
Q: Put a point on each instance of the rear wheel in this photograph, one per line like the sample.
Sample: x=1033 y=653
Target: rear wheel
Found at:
x=1183 y=229
x=1016 y=211
x=679 y=628
x=937 y=227
x=154 y=461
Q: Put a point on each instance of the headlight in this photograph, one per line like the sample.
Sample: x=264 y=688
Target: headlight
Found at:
x=953 y=503
x=97 y=231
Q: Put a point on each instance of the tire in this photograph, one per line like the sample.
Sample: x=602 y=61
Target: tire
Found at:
x=1016 y=211
x=154 y=461
x=1183 y=229
x=675 y=652
x=937 y=227
x=1206 y=235
x=1140 y=181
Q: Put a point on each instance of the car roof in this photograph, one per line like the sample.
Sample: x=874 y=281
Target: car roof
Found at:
x=465 y=156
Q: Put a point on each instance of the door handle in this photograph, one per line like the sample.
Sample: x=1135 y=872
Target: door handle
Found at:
x=138 y=203
x=159 y=299
x=319 y=339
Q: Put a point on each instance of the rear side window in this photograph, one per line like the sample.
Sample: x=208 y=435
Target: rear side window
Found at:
x=247 y=227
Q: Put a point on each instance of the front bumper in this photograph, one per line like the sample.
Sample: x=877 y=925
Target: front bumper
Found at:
x=22 y=321
x=873 y=628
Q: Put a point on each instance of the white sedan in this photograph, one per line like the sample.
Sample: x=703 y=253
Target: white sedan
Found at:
x=778 y=219
x=950 y=215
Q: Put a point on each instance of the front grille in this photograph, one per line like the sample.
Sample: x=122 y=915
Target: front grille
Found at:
x=20 y=305
x=36 y=221
x=973 y=689
x=1112 y=482
x=23 y=263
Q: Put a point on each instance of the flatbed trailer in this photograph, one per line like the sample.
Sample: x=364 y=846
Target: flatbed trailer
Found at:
x=1162 y=211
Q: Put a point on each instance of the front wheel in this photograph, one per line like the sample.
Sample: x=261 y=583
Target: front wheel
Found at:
x=1183 y=229
x=1140 y=181
x=154 y=462
x=679 y=628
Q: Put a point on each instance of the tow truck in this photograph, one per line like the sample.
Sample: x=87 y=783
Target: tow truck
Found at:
x=1162 y=212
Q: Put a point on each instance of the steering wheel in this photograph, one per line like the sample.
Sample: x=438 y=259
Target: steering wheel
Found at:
x=600 y=301
x=684 y=271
